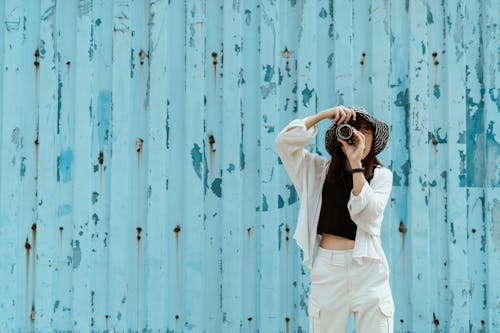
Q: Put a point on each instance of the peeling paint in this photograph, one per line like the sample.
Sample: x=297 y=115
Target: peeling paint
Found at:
x=437 y=91
x=323 y=14
x=265 y=206
x=216 y=187
x=495 y=224
x=103 y=117
x=197 y=158
x=293 y=197
x=281 y=202
x=248 y=17
x=267 y=89
x=307 y=95
x=64 y=209
x=77 y=254
x=95 y=196
x=269 y=73
x=64 y=164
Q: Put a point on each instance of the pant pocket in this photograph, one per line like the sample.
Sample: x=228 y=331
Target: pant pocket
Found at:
x=314 y=318
x=386 y=307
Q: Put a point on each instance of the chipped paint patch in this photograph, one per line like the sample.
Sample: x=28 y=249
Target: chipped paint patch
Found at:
x=269 y=73
x=196 y=156
x=248 y=17
x=16 y=138
x=64 y=209
x=280 y=234
x=267 y=89
x=265 y=206
x=495 y=223
x=216 y=187
x=323 y=13
x=22 y=170
x=281 y=202
x=64 y=163
x=493 y=157
x=293 y=197
x=77 y=254
x=306 y=95
x=437 y=91
x=104 y=105
x=95 y=196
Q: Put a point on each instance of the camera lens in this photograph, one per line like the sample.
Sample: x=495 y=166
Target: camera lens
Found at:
x=344 y=132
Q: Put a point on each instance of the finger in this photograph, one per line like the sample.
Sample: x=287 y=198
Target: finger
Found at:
x=348 y=114
x=359 y=138
x=358 y=134
x=353 y=115
x=335 y=114
x=343 y=143
x=342 y=116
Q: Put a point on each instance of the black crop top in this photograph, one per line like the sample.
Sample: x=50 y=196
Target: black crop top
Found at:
x=334 y=217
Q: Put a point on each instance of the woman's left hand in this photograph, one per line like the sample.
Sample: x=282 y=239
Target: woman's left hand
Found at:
x=354 y=152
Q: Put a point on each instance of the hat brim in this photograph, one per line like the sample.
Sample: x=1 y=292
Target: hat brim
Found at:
x=380 y=135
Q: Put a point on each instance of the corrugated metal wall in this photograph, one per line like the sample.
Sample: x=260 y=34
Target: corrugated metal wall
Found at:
x=140 y=186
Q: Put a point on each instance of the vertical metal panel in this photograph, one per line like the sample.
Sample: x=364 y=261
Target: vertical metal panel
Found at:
x=140 y=186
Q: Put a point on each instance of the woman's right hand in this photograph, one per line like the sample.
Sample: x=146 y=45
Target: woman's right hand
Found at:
x=339 y=114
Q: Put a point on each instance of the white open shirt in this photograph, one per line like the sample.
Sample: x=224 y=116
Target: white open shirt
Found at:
x=308 y=172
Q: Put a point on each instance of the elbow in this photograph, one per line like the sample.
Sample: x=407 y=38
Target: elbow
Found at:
x=368 y=219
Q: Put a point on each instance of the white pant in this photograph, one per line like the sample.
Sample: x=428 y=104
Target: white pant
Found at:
x=340 y=286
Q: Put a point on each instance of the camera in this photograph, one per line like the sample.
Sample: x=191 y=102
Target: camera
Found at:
x=345 y=132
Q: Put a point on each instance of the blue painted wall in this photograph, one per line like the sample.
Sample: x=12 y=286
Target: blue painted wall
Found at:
x=140 y=186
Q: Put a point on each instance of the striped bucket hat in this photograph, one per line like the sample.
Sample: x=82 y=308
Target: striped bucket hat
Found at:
x=380 y=137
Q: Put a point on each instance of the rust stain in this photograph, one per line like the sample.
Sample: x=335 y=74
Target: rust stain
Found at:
x=402 y=227
x=107 y=322
x=33 y=272
x=249 y=233
x=363 y=57
x=37 y=59
x=211 y=142
x=61 y=229
x=214 y=63
x=101 y=163
x=177 y=230
x=142 y=55
x=287 y=54
x=27 y=246
x=138 y=143
x=101 y=158
x=435 y=320
x=434 y=56
x=287 y=324
x=139 y=270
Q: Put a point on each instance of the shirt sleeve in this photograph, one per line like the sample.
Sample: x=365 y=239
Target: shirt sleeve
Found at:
x=367 y=208
x=290 y=144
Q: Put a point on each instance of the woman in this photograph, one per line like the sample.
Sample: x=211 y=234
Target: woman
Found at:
x=342 y=206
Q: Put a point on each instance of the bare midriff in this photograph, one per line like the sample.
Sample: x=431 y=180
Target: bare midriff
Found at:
x=332 y=242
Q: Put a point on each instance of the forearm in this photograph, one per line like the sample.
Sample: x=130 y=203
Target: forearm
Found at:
x=313 y=120
x=358 y=178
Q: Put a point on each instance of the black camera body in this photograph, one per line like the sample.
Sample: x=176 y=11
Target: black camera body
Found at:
x=345 y=132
